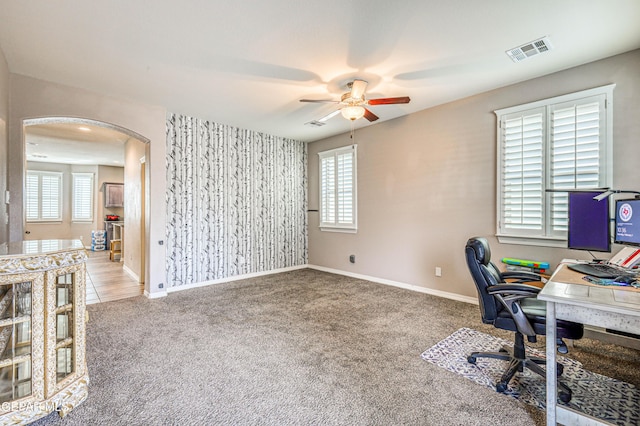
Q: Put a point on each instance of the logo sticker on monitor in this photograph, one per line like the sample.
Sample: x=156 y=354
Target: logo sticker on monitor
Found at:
x=625 y=212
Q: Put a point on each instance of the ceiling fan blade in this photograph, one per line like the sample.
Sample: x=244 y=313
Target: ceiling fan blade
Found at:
x=369 y=115
x=389 y=101
x=328 y=116
x=319 y=101
x=357 y=89
x=322 y=121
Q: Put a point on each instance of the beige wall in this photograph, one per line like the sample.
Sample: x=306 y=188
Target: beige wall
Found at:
x=133 y=221
x=34 y=98
x=427 y=181
x=4 y=117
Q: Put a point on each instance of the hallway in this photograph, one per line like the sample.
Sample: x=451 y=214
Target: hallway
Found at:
x=107 y=281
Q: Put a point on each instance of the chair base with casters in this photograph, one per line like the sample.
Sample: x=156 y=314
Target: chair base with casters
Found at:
x=518 y=361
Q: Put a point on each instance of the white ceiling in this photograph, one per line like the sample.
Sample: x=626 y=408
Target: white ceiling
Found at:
x=69 y=143
x=247 y=63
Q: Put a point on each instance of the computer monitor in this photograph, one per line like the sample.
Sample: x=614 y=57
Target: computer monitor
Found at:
x=589 y=222
x=628 y=222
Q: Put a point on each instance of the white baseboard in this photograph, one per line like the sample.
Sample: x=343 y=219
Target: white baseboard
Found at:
x=155 y=295
x=132 y=274
x=234 y=278
x=406 y=286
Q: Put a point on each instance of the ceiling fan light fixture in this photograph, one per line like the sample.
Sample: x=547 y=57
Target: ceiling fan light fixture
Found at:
x=352 y=112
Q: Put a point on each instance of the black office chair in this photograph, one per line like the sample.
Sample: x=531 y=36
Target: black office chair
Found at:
x=525 y=277
x=513 y=307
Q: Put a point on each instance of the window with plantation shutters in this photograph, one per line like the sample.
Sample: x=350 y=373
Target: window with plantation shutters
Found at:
x=545 y=149
x=43 y=196
x=522 y=177
x=82 y=207
x=338 y=189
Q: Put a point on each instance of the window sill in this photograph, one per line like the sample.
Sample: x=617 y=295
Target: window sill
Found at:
x=343 y=230
x=532 y=241
x=47 y=222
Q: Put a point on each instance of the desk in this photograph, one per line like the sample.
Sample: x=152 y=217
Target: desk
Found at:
x=568 y=297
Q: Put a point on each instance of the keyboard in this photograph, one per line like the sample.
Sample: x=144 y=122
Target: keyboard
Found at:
x=599 y=270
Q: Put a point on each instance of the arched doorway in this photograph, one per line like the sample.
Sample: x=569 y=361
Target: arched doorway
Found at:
x=111 y=154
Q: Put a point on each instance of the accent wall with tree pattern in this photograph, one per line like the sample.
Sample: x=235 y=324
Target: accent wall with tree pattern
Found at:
x=236 y=201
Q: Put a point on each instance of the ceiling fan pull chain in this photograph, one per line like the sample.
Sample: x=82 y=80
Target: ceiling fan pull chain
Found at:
x=353 y=132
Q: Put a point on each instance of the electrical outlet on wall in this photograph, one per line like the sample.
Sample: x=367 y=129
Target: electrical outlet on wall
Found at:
x=438 y=271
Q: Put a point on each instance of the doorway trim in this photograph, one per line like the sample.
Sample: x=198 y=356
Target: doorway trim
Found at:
x=76 y=120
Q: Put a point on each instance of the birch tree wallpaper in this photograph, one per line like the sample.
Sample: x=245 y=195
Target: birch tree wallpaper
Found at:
x=236 y=201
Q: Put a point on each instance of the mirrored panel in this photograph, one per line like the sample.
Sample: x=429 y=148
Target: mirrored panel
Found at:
x=64 y=289
x=64 y=362
x=15 y=300
x=15 y=381
x=64 y=325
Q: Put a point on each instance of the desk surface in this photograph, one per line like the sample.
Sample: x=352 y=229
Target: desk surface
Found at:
x=568 y=287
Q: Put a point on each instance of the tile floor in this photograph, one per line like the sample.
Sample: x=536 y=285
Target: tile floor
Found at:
x=107 y=281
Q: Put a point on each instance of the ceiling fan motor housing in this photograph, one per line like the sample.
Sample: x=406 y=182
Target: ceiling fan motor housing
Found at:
x=347 y=99
x=354 y=103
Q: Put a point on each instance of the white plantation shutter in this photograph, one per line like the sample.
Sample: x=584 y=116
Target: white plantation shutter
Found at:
x=43 y=196
x=345 y=188
x=575 y=152
x=522 y=182
x=554 y=144
x=338 y=188
x=327 y=188
x=32 y=198
x=82 y=209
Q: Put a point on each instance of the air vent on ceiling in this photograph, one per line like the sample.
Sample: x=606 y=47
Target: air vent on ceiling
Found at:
x=520 y=53
x=315 y=123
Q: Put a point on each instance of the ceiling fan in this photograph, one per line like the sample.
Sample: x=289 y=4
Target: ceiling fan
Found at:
x=352 y=104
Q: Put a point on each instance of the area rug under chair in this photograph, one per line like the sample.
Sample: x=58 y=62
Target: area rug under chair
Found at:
x=609 y=399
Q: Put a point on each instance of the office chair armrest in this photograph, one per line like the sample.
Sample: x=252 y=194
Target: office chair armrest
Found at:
x=509 y=294
x=514 y=289
x=522 y=276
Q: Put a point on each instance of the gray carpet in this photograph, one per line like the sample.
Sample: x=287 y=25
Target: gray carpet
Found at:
x=302 y=347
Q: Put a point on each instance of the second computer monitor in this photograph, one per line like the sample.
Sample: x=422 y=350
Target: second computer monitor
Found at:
x=589 y=222
x=628 y=222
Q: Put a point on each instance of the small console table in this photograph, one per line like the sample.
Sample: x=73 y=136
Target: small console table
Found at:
x=110 y=227
x=42 y=329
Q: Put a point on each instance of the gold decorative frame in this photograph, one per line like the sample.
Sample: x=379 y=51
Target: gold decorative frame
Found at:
x=47 y=394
